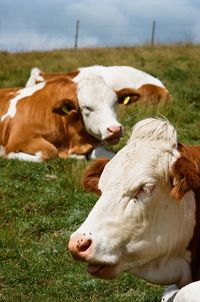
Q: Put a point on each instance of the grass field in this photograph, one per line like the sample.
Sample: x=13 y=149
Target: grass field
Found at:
x=42 y=203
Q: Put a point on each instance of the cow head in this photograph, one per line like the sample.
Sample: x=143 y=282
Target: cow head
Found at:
x=98 y=107
x=65 y=104
x=96 y=100
x=136 y=225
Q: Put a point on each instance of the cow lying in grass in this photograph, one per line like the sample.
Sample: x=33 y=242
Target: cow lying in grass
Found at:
x=57 y=119
x=130 y=83
x=147 y=218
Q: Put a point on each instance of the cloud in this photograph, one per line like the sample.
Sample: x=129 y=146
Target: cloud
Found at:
x=131 y=22
x=51 y=23
x=29 y=40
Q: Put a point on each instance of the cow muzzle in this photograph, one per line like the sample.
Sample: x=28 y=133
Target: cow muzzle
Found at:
x=113 y=134
x=81 y=249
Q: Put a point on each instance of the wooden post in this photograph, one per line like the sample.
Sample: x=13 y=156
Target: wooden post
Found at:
x=76 y=35
x=153 y=33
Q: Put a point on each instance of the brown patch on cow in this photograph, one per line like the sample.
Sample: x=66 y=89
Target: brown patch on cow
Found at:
x=92 y=174
x=73 y=74
x=64 y=94
x=186 y=177
x=69 y=75
x=64 y=107
x=133 y=95
x=56 y=76
x=79 y=140
x=36 y=126
x=154 y=94
x=186 y=173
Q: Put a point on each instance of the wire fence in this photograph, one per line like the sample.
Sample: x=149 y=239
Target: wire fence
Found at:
x=23 y=37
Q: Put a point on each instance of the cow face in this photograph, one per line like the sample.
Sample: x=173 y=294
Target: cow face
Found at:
x=98 y=107
x=136 y=225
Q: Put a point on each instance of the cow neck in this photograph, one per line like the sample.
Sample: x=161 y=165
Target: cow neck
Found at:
x=193 y=153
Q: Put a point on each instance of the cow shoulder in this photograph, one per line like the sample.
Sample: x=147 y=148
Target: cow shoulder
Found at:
x=92 y=174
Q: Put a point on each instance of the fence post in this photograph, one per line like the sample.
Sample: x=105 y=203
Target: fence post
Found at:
x=76 y=35
x=153 y=33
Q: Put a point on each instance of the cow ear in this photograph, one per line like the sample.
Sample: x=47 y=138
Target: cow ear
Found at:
x=128 y=96
x=64 y=107
x=185 y=177
x=92 y=174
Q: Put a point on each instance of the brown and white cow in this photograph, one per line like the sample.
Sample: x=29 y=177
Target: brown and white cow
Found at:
x=147 y=218
x=45 y=120
x=130 y=83
x=119 y=78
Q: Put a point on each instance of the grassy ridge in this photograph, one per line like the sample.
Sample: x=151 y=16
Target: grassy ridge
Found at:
x=176 y=65
x=41 y=204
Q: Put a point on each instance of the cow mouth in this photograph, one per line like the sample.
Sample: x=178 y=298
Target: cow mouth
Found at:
x=102 y=271
x=112 y=140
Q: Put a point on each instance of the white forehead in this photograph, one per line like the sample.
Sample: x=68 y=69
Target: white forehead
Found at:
x=148 y=155
x=131 y=166
x=155 y=129
x=92 y=90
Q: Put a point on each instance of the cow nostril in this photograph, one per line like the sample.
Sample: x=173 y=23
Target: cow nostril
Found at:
x=83 y=246
x=115 y=129
x=79 y=247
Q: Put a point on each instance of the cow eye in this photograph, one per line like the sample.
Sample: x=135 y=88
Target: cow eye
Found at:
x=146 y=189
x=88 y=109
x=143 y=191
x=134 y=199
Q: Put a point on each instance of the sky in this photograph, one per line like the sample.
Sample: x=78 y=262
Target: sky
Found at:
x=27 y=25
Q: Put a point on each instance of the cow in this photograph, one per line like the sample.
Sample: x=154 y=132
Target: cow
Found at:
x=147 y=218
x=57 y=119
x=131 y=83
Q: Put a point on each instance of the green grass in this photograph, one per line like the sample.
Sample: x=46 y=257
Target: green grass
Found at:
x=38 y=213
x=41 y=204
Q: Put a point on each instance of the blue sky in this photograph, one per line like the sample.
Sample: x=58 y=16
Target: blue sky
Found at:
x=48 y=24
